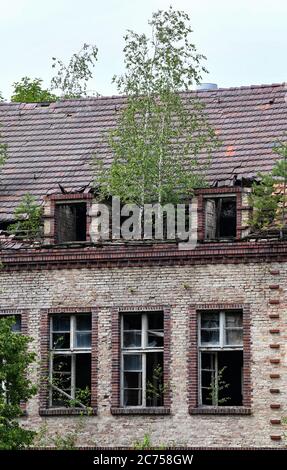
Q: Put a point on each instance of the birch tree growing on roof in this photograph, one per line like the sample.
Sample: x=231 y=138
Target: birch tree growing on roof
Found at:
x=162 y=129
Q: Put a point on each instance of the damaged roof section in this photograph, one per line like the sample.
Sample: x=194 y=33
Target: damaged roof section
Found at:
x=52 y=144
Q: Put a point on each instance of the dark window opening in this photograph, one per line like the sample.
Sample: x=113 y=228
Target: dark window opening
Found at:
x=220 y=218
x=221 y=378
x=71 y=222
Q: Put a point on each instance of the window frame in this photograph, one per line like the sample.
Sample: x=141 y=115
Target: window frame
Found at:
x=72 y=352
x=116 y=408
x=193 y=361
x=142 y=351
x=45 y=332
x=217 y=221
x=49 y=215
x=215 y=348
x=211 y=193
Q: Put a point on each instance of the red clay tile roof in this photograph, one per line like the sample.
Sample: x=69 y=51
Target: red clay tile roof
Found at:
x=52 y=145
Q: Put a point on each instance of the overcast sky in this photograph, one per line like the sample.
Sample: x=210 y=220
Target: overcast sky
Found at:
x=245 y=41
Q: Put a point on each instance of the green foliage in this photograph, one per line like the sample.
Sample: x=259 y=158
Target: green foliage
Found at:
x=30 y=91
x=72 y=79
x=58 y=440
x=217 y=385
x=1 y=97
x=28 y=216
x=160 y=131
x=144 y=444
x=155 y=388
x=15 y=359
x=82 y=396
x=269 y=197
x=264 y=202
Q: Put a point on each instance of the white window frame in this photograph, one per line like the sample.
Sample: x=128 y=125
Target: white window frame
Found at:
x=215 y=348
x=73 y=351
x=143 y=350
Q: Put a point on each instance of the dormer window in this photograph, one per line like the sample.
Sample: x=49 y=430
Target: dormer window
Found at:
x=220 y=217
x=70 y=219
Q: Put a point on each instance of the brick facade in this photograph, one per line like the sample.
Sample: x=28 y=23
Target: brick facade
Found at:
x=115 y=288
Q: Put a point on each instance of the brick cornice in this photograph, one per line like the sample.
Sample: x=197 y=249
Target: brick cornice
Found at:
x=141 y=255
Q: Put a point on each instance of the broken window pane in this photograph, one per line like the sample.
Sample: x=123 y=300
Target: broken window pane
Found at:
x=155 y=330
x=210 y=320
x=209 y=336
x=132 y=339
x=61 y=341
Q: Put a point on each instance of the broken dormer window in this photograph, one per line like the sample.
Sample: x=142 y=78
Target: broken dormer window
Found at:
x=220 y=218
x=70 y=222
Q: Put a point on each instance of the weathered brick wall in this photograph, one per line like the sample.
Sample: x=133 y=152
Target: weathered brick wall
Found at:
x=262 y=286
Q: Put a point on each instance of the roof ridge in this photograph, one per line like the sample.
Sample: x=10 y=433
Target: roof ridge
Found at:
x=117 y=97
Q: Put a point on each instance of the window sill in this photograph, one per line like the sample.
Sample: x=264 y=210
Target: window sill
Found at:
x=220 y=410
x=67 y=412
x=141 y=411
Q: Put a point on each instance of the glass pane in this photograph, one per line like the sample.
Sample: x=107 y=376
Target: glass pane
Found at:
x=132 y=397
x=155 y=339
x=208 y=361
x=132 y=322
x=210 y=337
x=210 y=320
x=233 y=320
x=133 y=362
x=234 y=337
x=83 y=340
x=17 y=325
x=132 y=380
x=132 y=339
x=61 y=323
x=155 y=321
x=61 y=341
x=83 y=322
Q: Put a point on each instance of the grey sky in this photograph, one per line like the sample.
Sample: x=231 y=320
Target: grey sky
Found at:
x=245 y=41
